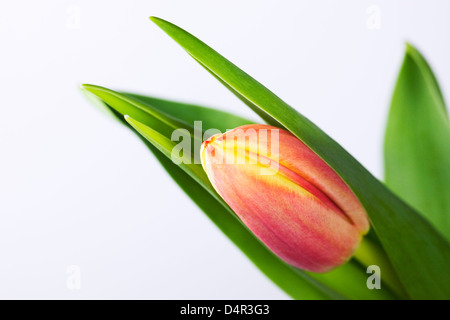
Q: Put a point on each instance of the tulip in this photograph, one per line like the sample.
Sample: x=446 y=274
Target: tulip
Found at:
x=286 y=195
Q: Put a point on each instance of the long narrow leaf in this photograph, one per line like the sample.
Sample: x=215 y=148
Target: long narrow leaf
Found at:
x=417 y=251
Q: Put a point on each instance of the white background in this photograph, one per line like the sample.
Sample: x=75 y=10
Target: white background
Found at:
x=78 y=189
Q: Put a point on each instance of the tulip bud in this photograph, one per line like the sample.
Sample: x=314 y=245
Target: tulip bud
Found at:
x=286 y=195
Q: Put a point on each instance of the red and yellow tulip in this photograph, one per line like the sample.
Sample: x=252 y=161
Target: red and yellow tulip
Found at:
x=286 y=195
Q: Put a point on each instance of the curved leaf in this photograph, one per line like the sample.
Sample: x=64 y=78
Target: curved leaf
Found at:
x=417 y=251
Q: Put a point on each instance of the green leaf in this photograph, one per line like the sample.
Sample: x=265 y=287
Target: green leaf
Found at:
x=417 y=143
x=417 y=251
x=295 y=282
x=189 y=113
x=193 y=180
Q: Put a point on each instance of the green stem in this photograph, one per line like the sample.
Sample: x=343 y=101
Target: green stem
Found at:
x=369 y=253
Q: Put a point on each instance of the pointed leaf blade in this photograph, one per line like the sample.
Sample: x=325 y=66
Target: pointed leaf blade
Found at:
x=417 y=251
x=417 y=142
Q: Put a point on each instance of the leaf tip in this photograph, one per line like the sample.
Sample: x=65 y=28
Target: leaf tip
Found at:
x=156 y=20
x=89 y=90
x=137 y=125
x=83 y=87
x=132 y=122
x=88 y=87
x=410 y=48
